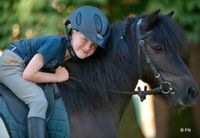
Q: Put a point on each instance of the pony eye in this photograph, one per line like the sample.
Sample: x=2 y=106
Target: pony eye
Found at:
x=158 y=47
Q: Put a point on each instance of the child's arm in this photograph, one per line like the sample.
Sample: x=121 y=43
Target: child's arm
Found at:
x=32 y=72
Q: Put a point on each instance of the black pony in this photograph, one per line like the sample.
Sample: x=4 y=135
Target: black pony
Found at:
x=146 y=47
x=95 y=108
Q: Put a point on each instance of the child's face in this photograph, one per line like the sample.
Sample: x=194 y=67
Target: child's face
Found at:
x=82 y=46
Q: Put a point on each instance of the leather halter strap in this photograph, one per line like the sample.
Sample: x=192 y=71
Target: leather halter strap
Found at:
x=165 y=86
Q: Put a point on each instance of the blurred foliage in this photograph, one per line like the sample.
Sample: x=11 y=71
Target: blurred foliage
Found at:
x=6 y=21
x=187 y=14
x=28 y=18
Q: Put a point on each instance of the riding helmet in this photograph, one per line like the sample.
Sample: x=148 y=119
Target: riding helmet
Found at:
x=91 y=22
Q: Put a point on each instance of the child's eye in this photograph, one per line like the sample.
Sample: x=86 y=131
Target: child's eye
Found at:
x=83 y=39
x=94 y=45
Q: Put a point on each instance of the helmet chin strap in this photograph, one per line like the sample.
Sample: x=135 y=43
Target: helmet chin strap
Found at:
x=72 y=53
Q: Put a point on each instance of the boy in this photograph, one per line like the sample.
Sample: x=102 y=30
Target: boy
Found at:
x=21 y=63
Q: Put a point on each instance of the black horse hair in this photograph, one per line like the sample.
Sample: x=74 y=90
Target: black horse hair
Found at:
x=116 y=66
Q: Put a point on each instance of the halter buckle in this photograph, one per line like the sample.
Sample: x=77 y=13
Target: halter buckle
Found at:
x=157 y=75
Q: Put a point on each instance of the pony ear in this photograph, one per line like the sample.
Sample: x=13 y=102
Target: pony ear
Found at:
x=150 y=20
x=170 y=14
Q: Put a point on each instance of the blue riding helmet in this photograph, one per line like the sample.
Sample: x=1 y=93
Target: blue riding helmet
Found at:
x=91 y=22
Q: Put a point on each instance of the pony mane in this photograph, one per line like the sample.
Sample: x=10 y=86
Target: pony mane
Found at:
x=109 y=69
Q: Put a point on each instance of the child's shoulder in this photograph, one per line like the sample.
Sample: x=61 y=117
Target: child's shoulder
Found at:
x=51 y=38
x=55 y=37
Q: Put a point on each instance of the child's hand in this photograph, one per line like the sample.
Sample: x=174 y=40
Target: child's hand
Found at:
x=62 y=74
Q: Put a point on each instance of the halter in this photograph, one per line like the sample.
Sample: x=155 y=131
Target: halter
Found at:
x=165 y=87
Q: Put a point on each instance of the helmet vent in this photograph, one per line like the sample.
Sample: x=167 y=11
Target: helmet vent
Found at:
x=98 y=23
x=78 y=19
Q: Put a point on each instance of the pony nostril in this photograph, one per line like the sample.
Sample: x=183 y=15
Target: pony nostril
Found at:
x=193 y=92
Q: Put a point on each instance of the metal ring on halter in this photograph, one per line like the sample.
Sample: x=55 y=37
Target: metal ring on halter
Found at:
x=141 y=42
x=157 y=75
x=166 y=87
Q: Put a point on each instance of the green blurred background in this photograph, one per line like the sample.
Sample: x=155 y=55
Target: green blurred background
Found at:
x=20 y=19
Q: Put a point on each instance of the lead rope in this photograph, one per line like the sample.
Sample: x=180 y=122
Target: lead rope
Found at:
x=139 y=92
